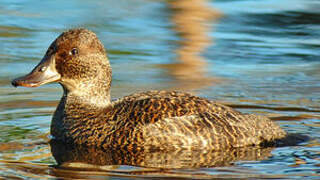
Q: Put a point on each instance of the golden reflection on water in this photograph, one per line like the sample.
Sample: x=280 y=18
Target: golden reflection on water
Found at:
x=89 y=162
x=174 y=159
x=18 y=104
x=191 y=20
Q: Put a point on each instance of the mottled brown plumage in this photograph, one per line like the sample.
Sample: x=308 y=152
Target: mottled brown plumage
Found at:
x=150 y=120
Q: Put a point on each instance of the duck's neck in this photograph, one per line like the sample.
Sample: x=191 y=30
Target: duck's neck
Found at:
x=89 y=96
x=94 y=91
x=77 y=111
x=81 y=101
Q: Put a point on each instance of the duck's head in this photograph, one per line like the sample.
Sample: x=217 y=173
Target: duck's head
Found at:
x=76 y=59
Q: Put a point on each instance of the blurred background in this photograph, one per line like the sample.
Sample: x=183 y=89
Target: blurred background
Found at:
x=260 y=57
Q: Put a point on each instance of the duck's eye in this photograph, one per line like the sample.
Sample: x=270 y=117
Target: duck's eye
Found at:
x=73 y=51
x=43 y=68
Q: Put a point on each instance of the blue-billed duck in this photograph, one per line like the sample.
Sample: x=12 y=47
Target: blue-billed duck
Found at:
x=153 y=120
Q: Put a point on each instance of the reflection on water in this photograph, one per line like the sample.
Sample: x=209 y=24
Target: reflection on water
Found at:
x=192 y=20
x=65 y=154
x=267 y=51
x=176 y=159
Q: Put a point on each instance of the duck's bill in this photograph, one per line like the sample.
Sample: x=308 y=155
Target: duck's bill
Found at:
x=34 y=80
x=43 y=73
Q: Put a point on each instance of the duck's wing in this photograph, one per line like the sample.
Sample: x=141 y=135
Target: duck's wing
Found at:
x=172 y=119
x=211 y=131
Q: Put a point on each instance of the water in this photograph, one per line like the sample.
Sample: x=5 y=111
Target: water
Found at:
x=257 y=56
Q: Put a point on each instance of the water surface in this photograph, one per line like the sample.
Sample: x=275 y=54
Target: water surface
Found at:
x=257 y=56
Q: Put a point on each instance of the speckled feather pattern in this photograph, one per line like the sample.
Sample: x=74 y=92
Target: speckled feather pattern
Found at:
x=163 y=120
x=150 y=120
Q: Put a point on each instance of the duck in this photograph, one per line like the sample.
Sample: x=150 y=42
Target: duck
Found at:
x=165 y=120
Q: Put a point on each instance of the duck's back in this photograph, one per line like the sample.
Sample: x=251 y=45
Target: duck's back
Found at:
x=165 y=120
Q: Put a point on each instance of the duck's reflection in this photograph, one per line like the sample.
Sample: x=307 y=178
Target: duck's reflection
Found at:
x=67 y=154
x=192 y=21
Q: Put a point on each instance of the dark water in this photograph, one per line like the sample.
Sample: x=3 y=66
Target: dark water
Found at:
x=260 y=57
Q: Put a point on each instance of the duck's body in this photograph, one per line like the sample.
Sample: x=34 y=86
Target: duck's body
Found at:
x=154 y=119
x=160 y=120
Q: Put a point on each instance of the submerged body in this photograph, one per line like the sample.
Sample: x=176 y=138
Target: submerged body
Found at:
x=153 y=119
